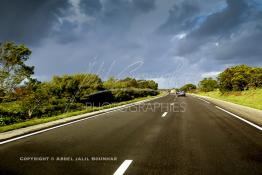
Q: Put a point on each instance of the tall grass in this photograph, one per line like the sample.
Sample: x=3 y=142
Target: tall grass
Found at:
x=251 y=98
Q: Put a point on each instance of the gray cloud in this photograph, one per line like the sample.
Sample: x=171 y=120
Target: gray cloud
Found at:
x=173 y=42
x=124 y=12
x=244 y=47
x=144 y=5
x=90 y=7
x=231 y=28
x=28 y=21
x=182 y=16
x=224 y=22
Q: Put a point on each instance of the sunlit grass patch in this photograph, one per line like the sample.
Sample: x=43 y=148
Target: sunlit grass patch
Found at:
x=251 y=98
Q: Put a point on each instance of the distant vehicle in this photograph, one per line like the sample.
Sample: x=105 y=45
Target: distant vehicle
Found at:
x=181 y=94
x=173 y=91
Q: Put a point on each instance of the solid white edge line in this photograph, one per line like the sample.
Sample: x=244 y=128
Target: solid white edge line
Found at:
x=123 y=167
x=65 y=124
x=48 y=129
x=244 y=120
x=165 y=113
x=204 y=100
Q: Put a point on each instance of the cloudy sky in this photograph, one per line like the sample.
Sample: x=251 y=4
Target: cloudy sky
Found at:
x=171 y=41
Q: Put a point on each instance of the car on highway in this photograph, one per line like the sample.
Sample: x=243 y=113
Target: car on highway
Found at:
x=181 y=94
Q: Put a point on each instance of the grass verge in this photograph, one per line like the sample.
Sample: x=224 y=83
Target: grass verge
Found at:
x=36 y=121
x=251 y=98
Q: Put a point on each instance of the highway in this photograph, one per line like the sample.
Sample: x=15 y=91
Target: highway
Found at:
x=170 y=136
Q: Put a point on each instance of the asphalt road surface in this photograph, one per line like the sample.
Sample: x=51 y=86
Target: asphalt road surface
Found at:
x=169 y=135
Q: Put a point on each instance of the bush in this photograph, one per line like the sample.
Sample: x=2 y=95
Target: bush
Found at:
x=208 y=84
x=98 y=98
x=122 y=95
x=68 y=93
x=188 y=87
x=239 y=78
x=8 y=120
x=75 y=86
x=128 y=82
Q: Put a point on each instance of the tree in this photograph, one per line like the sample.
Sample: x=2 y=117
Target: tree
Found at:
x=110 y=83
x=256 y=77
x=75 y=86
x=13 y=70
x=152 y=85
x=188 y=87
x=147 y=84
x=240 y=81
x=130 y=82
x=239 y=78
x=113 y=83
x=208 y=84
x=34 y=96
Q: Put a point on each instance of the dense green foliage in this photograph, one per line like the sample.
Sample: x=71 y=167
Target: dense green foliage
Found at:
x=128 y=82
x=239 y=78
x=208 y=84
x=147 y=84
x=23 y=97
x=236 y=78
x=13 y=69
x=188 y=87
x=76 y=86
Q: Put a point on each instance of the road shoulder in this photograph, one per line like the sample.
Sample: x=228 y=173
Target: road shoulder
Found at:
x=250 y=114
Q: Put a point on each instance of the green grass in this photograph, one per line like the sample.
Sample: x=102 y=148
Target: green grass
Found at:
x=36 y=121
x=251 y=98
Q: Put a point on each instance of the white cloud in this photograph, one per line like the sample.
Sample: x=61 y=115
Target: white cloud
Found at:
x=210 y=74
x=75 y=15
x=178 y=37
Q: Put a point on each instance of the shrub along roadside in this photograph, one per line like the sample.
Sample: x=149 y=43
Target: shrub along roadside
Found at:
x=17 y=111
x=239 y=78
x=35 y=121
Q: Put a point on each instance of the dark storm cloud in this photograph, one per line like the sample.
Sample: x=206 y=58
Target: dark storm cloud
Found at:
x=244 y=48
x=125 y=11
x=234 y=29
x=65 y=33
x=31 y=21
x=90 y=7
x=189 y=38
x=182 y=16
x=144 y=5
x=28 y=21
x=224 y=22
